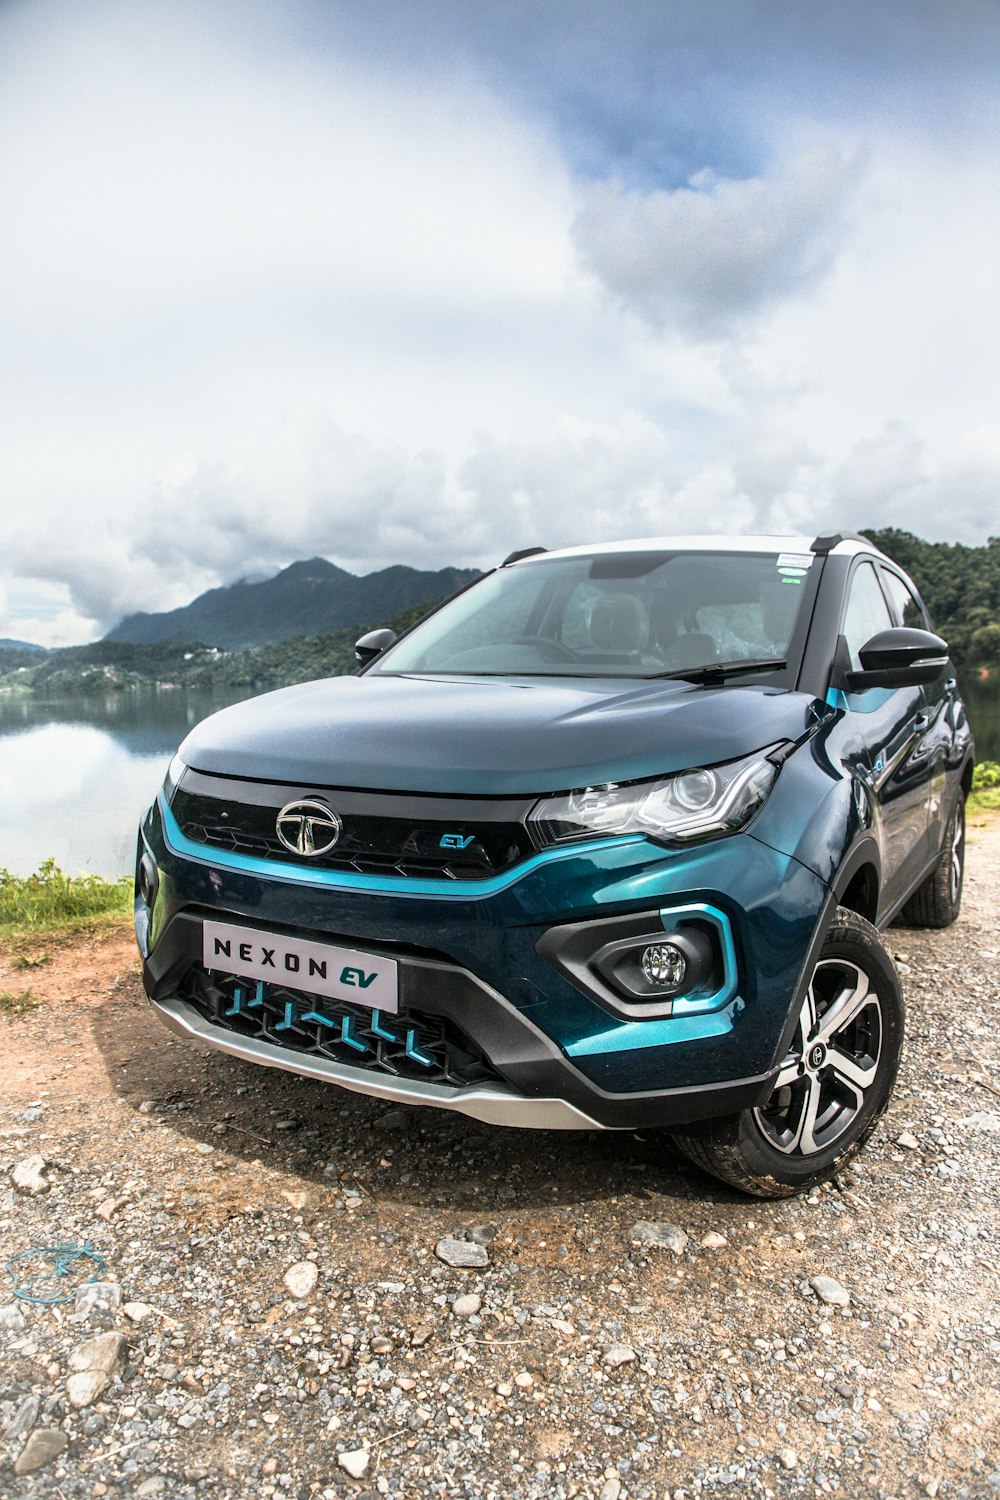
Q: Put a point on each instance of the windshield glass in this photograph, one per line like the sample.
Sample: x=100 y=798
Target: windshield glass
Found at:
x=613 y=615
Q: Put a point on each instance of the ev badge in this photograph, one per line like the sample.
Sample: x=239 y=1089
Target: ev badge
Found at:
x=308 y=828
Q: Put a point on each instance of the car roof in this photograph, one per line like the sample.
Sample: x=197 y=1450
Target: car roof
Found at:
x=805 y=546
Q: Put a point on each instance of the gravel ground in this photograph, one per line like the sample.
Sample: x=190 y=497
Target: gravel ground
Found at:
x=278 y=1321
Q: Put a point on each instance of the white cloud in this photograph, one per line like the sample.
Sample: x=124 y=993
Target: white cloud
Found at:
x=701 y=258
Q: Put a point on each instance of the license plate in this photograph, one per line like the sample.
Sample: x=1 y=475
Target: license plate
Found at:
x=317 y=968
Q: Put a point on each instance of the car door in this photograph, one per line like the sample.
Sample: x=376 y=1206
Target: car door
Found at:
x=888 y=726
x=935 y=722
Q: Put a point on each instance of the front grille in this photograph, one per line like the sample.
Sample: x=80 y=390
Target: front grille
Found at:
x=409 y=1044
x=382 y=833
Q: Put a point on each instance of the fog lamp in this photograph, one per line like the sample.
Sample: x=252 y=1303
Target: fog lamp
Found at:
x=663 y=964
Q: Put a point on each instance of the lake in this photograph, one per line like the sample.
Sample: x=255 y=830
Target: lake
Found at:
x=77 y=775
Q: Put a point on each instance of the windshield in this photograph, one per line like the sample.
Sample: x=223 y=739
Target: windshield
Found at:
x=637 y=614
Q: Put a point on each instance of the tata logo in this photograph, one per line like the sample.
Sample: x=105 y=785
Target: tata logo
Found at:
x=456 y=841
x=308 y=828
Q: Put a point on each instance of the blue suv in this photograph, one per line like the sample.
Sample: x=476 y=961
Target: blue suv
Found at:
x=605 y=842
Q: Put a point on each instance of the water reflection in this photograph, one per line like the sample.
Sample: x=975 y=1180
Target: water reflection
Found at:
x=76 y=775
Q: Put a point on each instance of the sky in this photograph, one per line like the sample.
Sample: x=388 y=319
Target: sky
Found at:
x=412 y=281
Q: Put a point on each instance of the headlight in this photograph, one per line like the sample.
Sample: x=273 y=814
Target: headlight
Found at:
x=175 y=771
x=699 y=804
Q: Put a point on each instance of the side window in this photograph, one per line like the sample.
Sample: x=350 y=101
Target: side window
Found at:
x=867 y=612
x=903 y=601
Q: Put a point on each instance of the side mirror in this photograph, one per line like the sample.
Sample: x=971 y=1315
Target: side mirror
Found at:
x=901 y=657
x=373 y=644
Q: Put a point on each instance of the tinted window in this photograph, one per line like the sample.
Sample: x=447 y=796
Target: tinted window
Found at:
x=613 y=614
x=867 y=612
x=905 y=604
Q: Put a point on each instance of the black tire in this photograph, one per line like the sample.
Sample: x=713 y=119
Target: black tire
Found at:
x=834 y=1083
x=939 y=900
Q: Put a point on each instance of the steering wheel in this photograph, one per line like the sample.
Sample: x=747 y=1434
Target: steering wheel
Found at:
x=552 y=650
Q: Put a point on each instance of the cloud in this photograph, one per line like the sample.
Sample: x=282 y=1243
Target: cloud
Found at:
x=702 y=258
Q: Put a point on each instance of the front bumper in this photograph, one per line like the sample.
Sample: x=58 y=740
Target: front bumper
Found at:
x=487 y=960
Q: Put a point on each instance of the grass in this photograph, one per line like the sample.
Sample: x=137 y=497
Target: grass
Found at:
x=985 y=795
x=16 y=1003
x=50 y=903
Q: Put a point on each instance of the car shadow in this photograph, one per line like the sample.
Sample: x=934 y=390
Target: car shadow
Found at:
x=328 y=1138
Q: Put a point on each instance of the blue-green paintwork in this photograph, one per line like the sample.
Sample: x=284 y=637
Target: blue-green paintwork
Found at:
x=348 y=880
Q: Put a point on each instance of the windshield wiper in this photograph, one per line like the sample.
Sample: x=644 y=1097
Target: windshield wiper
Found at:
x=717 y=671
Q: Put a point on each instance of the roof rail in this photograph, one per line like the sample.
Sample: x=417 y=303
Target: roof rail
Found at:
x=831 y=539
x=513 y=557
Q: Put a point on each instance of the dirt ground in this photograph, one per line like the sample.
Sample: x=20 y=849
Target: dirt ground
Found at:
x=574 y=1362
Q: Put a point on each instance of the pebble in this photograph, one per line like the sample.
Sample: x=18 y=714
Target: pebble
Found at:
x=482 y=1234
x=29 y=1176
x=618 y=1354
x=97 y=1299
x=829 y=1291
x=982 y=1120
x=524 y=1380
x=301 y=1278
x=611 y=1489
x=355 y=1462
x=788 y=1458
x=394 y=1119
x=93 y=1364
x=658 y=1234
x=465 y=1254
x=713 y=1240
x=465 y=1307
x=908 y=1140
x=23 y=1419
x=137 y=1312
x=43 y=1447
x=11 y=1317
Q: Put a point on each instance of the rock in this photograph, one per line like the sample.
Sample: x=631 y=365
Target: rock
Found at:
x=137 y=1312
x=11 y=1317
x=657 y=1234
x=355 y=1462
x=29 y=1175
x=713 y=1240
x=23 y=1419
x=394 y=1119
x=420 y=1336
x=93 y=1364
x=982 y=1120
x=610 y=1489
x=43 y=1447
x=147 y=1106
x=100 y=1299
x=382 y=1345
x=465 y=1254
x=908 y=1140
x=154 y=1485
x=788 y=1458
x=482 y=1234
x=829 y=1291
x=301 y=1278
x=465 y=1307
x=618 y=1354
x=524 y=1380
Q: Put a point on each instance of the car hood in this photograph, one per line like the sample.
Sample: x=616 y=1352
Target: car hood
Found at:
x=489 y=736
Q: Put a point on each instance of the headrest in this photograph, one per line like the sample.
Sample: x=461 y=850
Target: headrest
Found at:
x=618 y=623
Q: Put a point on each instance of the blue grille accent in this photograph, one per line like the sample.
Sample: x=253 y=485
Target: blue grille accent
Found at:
x=414 y=1045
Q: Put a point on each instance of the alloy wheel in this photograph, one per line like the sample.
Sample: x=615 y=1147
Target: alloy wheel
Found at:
x=823 y=1082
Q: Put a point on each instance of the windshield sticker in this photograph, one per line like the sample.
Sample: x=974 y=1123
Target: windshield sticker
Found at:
x=796 y=564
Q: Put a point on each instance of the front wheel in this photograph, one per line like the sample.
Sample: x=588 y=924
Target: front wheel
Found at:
x=833 y=1084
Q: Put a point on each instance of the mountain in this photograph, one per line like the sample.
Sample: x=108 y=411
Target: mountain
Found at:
x=307 y=598
x=6 y=644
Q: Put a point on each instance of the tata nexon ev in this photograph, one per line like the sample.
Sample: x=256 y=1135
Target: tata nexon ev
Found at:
x=605 y=842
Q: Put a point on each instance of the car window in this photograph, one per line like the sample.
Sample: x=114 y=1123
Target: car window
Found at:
x=624 y=614
x=867 y=612
x=905 y=604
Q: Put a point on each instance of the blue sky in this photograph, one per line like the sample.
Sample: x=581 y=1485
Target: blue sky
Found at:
x=424 y=282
